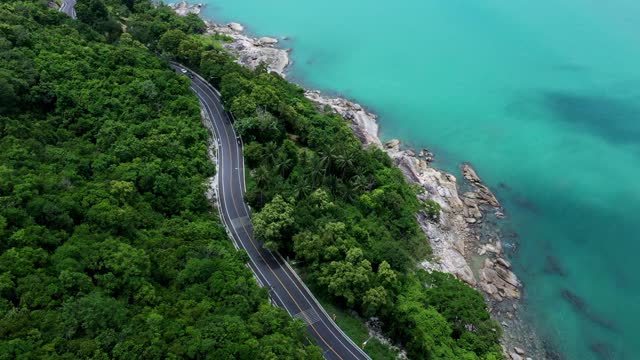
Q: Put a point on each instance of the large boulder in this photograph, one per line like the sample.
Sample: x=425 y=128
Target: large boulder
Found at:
x=363 y=123
x=498 y=281
x=515 y=356
x=182 y=8
x=392 y=145
x=267 y=41
x=482 y=193
x=235 y=26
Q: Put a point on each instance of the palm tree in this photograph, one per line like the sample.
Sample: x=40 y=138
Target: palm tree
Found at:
x=326 y=158
x=271 y=149
x=303 y=158
x=261 y=176
x=318 y=171
x=284 y=164
x=344 y=162
x=302 y=189
x=356 y=183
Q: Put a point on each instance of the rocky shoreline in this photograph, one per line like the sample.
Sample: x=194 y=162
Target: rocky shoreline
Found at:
x=466 y=232
x=249 y=51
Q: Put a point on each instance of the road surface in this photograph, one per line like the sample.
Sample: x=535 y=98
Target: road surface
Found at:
x=286 y=289
x=68 y=7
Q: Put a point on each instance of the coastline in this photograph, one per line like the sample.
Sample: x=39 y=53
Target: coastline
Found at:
x=465 y=239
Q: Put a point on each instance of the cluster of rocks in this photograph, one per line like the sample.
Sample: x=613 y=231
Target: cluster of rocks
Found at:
x=454 y=238
x=249 y=51
x=183 y=8
x=480 y=196
x=363 y=123
x=451 y=236
x=498 y=281
x=374 y=327
x=518 y=354
x=426 y=155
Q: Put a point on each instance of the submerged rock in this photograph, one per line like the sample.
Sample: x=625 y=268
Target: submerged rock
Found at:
x=581 y=306
x=602 y=350
x=552 y=266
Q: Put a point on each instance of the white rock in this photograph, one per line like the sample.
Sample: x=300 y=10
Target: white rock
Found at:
x=183 y=8
x=515 y=356
x=504 y=263
x=235 y=26
x=267 y=40
x=392 y=145
x=363 y=123
x=518 y=350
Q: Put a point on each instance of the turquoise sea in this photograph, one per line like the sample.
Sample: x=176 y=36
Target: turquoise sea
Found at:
x=542 y=97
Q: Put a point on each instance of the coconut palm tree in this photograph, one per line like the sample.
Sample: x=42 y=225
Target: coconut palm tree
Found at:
x=344 y=162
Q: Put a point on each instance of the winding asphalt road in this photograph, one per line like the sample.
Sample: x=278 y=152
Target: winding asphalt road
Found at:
x=286 y=289
x=68 y=7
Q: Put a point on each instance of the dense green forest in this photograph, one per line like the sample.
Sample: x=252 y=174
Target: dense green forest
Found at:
x=108 y=248
x=108 y=245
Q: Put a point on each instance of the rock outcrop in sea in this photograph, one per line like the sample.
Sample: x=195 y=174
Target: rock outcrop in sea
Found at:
x=452 y=237
x=249 y=51
x=363 y=123
x=183 y=8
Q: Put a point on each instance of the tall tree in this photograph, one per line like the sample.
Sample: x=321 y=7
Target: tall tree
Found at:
x=273 y=223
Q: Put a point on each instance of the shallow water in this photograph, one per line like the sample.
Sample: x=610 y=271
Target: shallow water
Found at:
x=543 y=96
